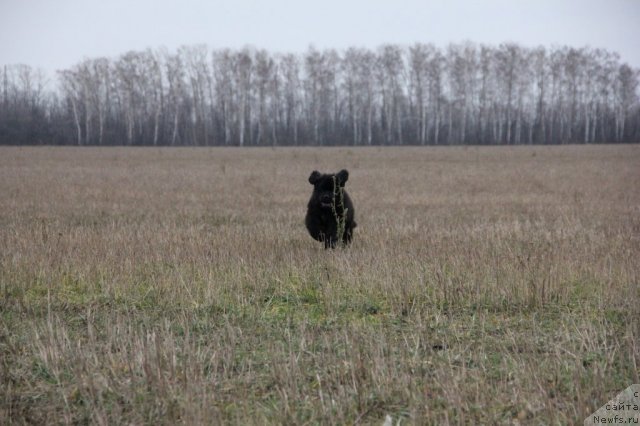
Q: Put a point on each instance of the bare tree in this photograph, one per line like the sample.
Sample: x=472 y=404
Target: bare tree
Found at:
x=290 y=68
x=420 y=56
x=626 y=96
x=176 y=93
x=224 y=86
x=421 y=94
x=196 y=63
x=73 y=92
x=391 y=75
x=243 y=73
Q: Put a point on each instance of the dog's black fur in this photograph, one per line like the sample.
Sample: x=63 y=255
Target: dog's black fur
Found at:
x=330 y=208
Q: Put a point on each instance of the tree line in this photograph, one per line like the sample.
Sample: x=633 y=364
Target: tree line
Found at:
x=418 y=95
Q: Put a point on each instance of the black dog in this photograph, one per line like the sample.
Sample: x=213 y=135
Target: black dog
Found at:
x=330 y=210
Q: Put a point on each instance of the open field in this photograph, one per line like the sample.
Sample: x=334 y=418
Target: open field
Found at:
x=491 y=285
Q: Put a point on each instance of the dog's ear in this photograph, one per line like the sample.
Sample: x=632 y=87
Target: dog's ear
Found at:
x=313 y=178
x=343 y=176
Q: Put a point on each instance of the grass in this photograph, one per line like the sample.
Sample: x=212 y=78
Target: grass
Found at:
x=492 y=285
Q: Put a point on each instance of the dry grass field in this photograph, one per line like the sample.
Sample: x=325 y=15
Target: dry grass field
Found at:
x=495 y=285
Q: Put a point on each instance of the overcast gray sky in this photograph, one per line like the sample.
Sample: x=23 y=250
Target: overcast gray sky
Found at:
x=55 y=34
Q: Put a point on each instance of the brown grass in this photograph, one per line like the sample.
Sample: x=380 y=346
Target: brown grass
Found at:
x=484 y=285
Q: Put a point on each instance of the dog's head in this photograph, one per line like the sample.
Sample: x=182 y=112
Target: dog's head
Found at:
x=327 y=188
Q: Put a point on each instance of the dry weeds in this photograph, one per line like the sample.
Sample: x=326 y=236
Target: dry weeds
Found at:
x=484 y=285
